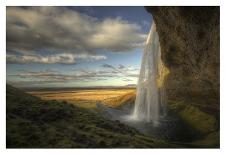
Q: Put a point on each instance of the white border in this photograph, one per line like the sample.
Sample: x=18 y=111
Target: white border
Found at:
x=112 y=2
x=3 y=75
x=4 y=3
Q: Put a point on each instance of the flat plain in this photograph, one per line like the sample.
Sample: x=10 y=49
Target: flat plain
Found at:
x=88 y=98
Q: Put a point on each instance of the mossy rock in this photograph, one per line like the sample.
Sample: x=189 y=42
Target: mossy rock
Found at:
x=212 y=140
x=197 y=119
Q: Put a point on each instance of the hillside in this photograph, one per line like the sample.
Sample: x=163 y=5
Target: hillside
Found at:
x=34 y=123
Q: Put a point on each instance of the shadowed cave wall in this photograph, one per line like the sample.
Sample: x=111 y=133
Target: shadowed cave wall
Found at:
x=190 y=43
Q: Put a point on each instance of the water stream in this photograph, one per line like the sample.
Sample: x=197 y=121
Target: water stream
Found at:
x=149 y=98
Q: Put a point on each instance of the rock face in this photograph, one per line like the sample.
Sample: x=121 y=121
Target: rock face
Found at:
x=190 y=43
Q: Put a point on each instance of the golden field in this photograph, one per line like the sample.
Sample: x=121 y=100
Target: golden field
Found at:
x=88 y=98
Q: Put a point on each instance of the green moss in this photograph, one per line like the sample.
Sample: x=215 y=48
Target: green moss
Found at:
x=204 y=123
x=33 y=123
x=211 y=140
x=199 y=120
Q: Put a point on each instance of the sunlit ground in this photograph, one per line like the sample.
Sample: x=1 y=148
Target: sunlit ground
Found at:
x=90 y=97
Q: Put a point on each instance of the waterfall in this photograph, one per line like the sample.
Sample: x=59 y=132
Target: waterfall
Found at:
x=150 y=101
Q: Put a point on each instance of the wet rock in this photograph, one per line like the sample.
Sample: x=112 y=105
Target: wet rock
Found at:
x=189 y=38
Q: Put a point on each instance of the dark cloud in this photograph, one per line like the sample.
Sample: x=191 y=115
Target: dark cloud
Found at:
x=31 y=30
x=64 y=58
x=127 y=71
x=121 y=67
x=108 y=66
x=83 y=75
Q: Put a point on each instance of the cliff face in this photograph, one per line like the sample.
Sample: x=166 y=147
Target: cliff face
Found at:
x=190 y=43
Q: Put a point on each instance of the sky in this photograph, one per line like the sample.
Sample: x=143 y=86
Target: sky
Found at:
x=75 y=46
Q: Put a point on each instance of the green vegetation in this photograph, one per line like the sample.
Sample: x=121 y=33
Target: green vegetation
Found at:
x=34 y=123
x=119 y=101
x=211 y=140
x=205 y=124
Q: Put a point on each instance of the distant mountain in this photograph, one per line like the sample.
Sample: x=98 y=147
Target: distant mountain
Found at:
x=34 y=123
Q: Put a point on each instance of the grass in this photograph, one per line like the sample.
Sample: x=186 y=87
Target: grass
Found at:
x=199 y=120
x=35 y=123
x=119 y=101
x=90 y=97
x=211 y=140
x=204 y=123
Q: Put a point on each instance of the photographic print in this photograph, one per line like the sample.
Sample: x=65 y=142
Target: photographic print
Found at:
x=112 y=77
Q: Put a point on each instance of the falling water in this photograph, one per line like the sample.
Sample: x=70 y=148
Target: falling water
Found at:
x=150 y=95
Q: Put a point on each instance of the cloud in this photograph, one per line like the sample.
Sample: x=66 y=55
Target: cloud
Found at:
x=32 y=30
x=108 y=66
x=56 y=76
x=64 y=58
x=25 y=77
x=121 y=67
x=127 y=71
